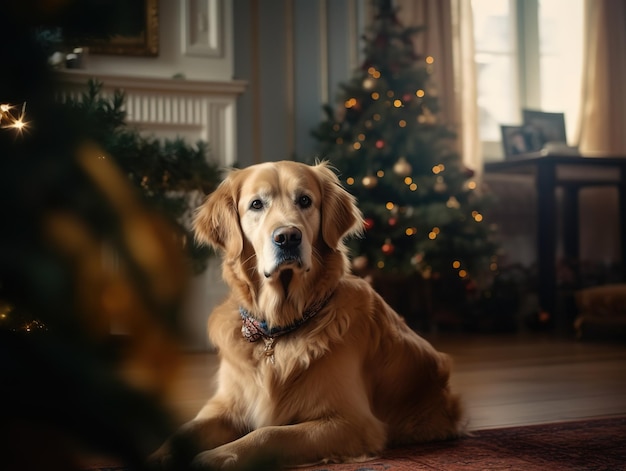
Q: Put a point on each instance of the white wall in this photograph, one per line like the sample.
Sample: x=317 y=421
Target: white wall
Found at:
x=176 y=19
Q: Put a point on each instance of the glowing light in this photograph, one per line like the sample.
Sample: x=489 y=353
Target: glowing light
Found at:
x=375 y=96
x=471 y=185
x=397 y=103
x=432 y=235
x=380 y=174
x=436 y=230
x=408 y=180
x=402 y=123
x=13 y=122
x=430 y=60
x=390 y=205
x=437 y=169
x=456 y=264
x=376 y=117
x=350 y=103
x=390 y=93
x=356 y=145
x=361 y=137
x=410 y=231
x=380 y=144
x=380 y=264
x=413 y=186
x=373 y=72
x=462 y=273
x=350 y=181
x=420 y=93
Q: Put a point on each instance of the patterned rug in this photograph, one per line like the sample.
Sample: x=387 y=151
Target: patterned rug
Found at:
x=588 y=445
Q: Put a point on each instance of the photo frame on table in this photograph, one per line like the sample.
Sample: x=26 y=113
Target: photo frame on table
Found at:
x=519 y=140
x=550 y=127
x=138 y=35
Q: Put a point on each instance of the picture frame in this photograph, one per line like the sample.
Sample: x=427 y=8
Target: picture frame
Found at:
x=519 y=140
x=550 y=127
x=139 y=35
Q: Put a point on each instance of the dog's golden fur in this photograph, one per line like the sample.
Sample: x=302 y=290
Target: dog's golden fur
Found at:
x=350 y=381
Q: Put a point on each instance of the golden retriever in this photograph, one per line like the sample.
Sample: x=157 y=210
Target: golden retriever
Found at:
x=314 y=365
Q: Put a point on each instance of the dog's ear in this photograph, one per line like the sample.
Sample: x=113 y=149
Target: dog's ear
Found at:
x=216 y=222
x=340 y=215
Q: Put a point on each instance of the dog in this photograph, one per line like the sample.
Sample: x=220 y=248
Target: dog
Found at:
x=314 y=365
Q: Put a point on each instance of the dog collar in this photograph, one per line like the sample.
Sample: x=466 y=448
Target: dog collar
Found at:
x=253 y=329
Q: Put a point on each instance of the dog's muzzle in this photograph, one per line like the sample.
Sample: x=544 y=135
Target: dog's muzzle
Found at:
x=287 y=241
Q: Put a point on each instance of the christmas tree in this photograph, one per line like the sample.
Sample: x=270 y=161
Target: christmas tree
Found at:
x=423 y=210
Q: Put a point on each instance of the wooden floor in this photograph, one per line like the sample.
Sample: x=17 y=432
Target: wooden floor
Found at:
x=505 y=380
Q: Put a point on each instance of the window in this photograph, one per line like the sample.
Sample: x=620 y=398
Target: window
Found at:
x=528 y=55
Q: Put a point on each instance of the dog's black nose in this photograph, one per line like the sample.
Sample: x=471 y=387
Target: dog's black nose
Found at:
x=287 y=237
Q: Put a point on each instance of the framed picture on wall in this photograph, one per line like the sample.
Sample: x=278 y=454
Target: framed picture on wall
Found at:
x=550 y=127
x=137 y=31
x=519 y=140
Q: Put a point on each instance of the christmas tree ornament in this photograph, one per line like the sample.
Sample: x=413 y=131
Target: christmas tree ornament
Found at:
x=453 y=203
x=402 y=167
x=369 y=181
x=388 y=247
x=368 y=224
x=380 y=144
x=440 y=185
x=369 y=83
x=360 y=263
x=393 y=221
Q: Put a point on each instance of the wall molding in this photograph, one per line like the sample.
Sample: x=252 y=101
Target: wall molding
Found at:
x=202 y=28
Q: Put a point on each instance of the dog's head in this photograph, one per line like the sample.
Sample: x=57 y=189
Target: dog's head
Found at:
x=279 y=219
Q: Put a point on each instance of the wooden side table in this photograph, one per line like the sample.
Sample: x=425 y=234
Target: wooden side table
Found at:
x=571 y=173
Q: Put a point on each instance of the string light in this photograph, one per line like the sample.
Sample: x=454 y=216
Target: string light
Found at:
x=437 y=169
x=350 y=103
x=10 y=121
x=420 y=93
x=397 y=103
x=430 y=60
x=390 y=205
x=380 y=174
x=402 y=123
x=350 y=181
x=375 y=95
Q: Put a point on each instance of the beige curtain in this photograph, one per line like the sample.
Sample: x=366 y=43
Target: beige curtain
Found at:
x=602 y=128
x=449 y=38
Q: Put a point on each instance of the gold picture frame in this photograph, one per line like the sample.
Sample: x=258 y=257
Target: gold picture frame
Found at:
x=144 y=43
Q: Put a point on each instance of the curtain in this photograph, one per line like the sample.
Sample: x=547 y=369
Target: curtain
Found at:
x=449 y=38
x=603 y=105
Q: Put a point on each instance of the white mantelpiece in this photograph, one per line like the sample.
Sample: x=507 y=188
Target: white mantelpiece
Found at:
x=169 y=108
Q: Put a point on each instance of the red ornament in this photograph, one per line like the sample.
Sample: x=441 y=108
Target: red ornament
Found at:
x=393 y=221
x=368 y=223
x=407 y=97
x=380 y=144
x=388 y=247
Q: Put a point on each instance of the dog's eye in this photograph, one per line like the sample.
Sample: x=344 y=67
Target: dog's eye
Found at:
x=256 y=205
x=304 y=201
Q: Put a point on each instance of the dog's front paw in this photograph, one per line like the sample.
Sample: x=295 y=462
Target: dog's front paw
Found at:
x=217 y=458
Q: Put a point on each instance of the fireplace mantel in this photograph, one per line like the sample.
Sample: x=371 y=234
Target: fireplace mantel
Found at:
x=169 y=108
